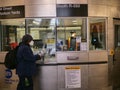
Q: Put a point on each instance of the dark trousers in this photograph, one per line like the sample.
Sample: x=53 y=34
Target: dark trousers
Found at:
x=23 y=85
x=115 y=87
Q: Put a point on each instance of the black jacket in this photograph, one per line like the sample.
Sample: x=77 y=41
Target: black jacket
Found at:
x=26 y=61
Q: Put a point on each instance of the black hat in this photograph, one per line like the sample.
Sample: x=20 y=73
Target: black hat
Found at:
x=27 y=38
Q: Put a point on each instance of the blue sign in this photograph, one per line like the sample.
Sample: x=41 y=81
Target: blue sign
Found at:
x=8 y=73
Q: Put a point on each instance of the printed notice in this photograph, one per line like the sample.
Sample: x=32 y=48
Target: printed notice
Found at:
x=73 y=77
x=83 y=46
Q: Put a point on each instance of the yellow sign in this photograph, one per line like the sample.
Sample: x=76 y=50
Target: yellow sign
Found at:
x=111 y=52
x=50 y=40
x=72 y=67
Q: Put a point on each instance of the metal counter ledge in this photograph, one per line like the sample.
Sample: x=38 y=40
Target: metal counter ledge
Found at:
x=41 y=63
x=54 y=63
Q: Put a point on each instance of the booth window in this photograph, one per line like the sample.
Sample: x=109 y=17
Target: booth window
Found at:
x=11 y=32
x=97 y=34
x=43 y=33
x=71 y=34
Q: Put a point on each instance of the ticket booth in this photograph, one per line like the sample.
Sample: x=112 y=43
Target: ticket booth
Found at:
x=75 y=37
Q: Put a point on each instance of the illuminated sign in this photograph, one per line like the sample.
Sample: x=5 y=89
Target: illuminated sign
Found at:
x=66 y=10
x=10 y=12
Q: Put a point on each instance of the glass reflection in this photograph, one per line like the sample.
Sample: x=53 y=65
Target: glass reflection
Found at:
x=12 y=31
x=43 y=32
x=66 y=28
x=97 y=34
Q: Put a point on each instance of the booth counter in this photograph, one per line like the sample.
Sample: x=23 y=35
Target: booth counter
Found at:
x=63 y=73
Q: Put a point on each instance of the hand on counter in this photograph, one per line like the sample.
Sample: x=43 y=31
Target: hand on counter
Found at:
x=42 y=53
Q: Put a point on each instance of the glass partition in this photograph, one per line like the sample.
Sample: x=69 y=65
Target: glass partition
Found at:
x=43 y=32
x=97 y=40
x=55 y=34
x=12 y=31
x=71 y=34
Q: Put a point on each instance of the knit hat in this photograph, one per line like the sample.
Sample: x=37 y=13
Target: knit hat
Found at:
x=27 y=38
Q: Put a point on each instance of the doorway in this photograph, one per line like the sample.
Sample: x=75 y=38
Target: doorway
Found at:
x=117 y=36
x=116 y=60
x=117 y=39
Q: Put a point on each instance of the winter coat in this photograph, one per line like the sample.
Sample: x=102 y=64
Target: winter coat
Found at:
x=26 y=61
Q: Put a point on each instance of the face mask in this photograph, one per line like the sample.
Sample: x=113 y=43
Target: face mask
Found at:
x=31 y=43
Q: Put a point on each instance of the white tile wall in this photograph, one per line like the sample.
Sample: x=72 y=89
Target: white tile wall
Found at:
x=11 y=2
x=72 y=1
x=2 y=56
x=98 y=2
x=97 y=10
x=113 y=2
x=40 y=11
x=98 y=56
x=30 y=2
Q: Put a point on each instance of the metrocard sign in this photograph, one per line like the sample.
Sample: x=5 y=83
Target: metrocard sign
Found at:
x=11 y=12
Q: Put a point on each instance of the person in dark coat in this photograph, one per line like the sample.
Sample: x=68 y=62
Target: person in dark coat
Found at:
x=26 y=67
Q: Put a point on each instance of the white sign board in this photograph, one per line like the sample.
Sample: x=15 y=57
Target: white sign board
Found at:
x=83 y=46
x=72 y=77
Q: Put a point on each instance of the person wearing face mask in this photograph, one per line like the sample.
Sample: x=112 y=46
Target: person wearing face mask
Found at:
x=26 y=67
x=31 y=43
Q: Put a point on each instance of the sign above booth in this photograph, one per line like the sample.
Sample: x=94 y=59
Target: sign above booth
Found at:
x=68 y=10
x=11 y=12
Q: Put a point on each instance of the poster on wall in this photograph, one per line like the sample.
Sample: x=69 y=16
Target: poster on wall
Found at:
x=72 y=77
x=97 y=35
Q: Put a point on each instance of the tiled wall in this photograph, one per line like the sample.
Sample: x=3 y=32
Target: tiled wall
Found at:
x=11 y=2
x=108 y=8
x=44 y=8
x=2 y=56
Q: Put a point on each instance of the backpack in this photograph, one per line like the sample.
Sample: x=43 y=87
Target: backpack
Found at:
x=11 y=58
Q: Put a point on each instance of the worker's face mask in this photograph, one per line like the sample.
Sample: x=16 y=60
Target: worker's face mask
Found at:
x=31 y=43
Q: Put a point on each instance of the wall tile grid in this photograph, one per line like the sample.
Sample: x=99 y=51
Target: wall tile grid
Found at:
x=110 y=34
x=11 y=2
x=43 y=2
x=40 y=8
x=108 y=8
x=72 y=1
